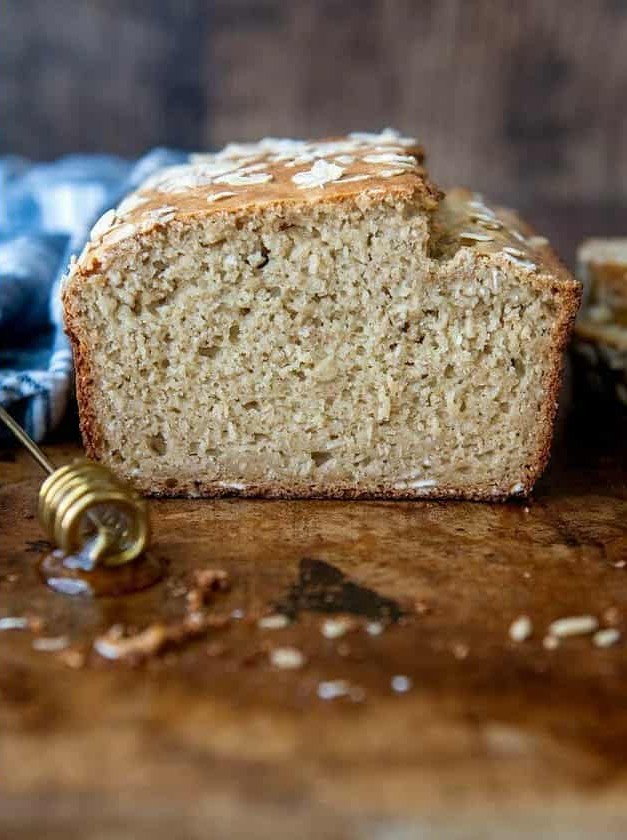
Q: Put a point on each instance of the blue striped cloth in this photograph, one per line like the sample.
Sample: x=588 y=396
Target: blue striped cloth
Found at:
x=46 y=213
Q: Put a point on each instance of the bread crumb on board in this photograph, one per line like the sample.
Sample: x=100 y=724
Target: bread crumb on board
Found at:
x=521 y=629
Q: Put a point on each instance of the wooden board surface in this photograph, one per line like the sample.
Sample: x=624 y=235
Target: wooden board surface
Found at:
x=493 y=739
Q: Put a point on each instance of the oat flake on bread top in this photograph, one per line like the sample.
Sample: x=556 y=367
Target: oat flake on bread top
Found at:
x=283 y=170
x=275 y=169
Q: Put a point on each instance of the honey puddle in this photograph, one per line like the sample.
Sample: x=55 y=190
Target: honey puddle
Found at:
x=66 y=574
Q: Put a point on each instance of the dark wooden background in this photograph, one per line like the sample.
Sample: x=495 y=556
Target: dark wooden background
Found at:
x=525 y=100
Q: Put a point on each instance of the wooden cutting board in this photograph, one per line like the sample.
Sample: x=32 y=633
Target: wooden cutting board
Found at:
x=482 y=737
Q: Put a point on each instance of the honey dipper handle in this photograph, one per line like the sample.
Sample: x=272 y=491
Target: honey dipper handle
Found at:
x=44 y=462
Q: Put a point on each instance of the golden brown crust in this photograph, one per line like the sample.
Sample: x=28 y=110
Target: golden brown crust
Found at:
x=411 y=181
x=270 y=174
x=84 y=381
x=464 y=219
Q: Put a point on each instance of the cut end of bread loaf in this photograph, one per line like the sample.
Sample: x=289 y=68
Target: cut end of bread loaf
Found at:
x=601 y=330
x=345 y=333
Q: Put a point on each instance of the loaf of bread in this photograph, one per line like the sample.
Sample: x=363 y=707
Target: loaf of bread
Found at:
x=315 y=319
x=601 y=328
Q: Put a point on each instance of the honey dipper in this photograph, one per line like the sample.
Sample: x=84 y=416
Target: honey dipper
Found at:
x=86 y=510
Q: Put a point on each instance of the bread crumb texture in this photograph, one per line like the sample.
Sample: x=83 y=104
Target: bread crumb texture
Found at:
x=289 y=318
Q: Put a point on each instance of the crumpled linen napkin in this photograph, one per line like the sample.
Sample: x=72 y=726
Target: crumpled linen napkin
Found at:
x=46 y=213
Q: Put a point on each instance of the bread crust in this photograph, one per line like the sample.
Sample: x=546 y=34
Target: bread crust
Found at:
x=84 y=384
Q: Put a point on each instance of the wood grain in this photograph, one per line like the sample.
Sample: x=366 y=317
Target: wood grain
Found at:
x=493 y=739
x=520 y=100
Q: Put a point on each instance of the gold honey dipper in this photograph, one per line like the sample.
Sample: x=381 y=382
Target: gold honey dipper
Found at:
x=86 y=510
